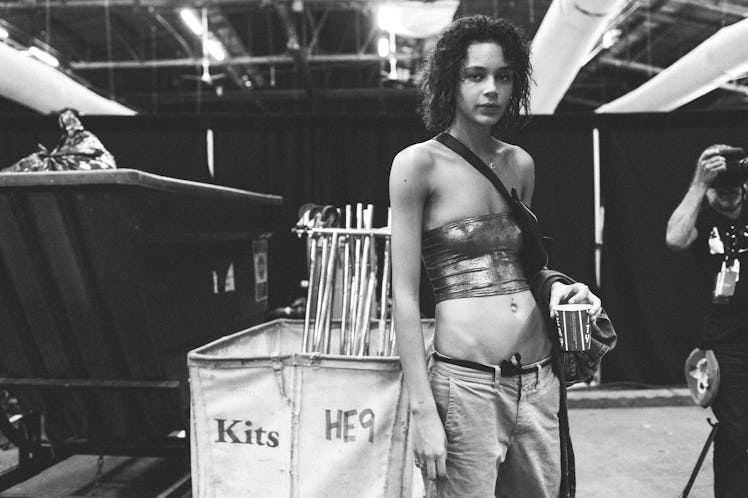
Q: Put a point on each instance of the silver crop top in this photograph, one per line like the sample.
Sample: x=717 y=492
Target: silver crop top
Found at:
x=476 y=256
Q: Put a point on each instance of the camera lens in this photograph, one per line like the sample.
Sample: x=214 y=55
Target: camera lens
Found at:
x=736 y=172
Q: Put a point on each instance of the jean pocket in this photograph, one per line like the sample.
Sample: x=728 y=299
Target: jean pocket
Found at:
x=441 y=388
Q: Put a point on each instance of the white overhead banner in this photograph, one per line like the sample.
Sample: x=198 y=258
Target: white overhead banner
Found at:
x=43 y=88
x=562 y=45
x=716 y=61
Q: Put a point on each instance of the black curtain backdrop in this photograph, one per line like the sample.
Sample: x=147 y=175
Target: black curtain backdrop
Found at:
x=564 y=191
x=322 y=160
x=656 y=297
x=647 y=161
x=340 y=160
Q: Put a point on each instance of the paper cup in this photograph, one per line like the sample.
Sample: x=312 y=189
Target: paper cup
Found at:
x=573 y=323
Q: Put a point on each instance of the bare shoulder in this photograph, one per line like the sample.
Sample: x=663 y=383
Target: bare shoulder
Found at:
x=414 y=163
x=523 y=170
x=520 y=159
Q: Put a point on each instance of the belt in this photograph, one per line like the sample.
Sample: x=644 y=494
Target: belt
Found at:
x=508 y=369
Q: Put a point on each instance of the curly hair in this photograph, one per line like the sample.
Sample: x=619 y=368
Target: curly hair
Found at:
x=443 y=68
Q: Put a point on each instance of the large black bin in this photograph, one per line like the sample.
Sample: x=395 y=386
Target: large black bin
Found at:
x=107 y=280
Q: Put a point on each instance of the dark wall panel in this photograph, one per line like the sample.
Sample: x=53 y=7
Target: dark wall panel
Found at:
x=564 y=191
x=656 y=297
x=320 y=160
x=647 y=162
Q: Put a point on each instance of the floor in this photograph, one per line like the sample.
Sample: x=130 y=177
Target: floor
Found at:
x=118 y=477
x=638 y=451
x=646 y=452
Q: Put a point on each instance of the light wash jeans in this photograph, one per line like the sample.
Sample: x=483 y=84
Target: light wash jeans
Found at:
x=502 y=432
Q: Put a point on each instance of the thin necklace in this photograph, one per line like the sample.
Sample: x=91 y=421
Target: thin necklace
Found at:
x=490 y=163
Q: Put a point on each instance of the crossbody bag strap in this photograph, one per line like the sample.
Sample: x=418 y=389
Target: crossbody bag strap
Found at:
x=462 y=150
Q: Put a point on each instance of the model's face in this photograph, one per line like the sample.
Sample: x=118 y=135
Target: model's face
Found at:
x=485 y=86
x=725 y=198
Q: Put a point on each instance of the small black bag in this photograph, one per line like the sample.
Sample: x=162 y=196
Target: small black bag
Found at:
x=534 y=253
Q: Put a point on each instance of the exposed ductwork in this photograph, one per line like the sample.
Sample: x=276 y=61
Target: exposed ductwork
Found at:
x=562 y=46
x=45 y=89
x=417 y=19
x=719 y=59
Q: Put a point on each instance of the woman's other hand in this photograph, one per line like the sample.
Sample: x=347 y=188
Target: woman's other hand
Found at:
x=430 y=444
x=576 y=293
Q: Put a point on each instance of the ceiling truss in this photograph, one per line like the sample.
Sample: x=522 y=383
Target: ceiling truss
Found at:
x=300 y=47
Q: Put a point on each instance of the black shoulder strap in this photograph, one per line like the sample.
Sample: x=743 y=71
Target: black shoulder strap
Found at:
x=470 y=156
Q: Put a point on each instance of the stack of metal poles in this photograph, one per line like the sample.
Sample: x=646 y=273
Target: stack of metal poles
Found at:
x=347 y=253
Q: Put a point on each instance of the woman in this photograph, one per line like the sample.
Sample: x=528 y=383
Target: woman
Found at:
x=484 y=416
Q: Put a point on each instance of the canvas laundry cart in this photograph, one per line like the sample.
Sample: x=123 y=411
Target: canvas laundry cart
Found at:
x=269 y=421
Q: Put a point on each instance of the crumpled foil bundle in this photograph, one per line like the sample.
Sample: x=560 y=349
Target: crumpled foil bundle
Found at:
x=79 y=149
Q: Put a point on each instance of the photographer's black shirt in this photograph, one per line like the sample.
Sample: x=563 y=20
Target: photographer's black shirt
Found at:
x=725 y=323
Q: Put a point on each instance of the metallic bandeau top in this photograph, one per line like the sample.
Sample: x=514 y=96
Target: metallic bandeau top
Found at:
x=473 y=257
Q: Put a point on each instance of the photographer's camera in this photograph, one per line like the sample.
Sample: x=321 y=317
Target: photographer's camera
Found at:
x=736 y=173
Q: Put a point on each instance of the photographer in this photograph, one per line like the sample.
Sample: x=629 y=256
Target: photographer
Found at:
x=712 y=219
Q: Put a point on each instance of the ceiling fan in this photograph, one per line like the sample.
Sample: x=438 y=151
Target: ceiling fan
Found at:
x=205 y=41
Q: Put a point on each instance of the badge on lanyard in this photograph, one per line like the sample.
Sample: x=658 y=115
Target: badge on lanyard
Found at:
x=724 y=286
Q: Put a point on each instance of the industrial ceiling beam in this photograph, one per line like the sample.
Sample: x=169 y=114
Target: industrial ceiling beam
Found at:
x=278 y=95
x=316 y=27
x=170 y=4
x=117 y=28
x=224 y=31
x=186 y=47
x=249 y=59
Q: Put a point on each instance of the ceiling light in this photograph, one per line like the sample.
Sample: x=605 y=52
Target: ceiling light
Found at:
x=192 y=22
x=383 y=47
x=44 y=56
x=3 y=33
x=215 y=49
x=610 y=38
x=386 y=16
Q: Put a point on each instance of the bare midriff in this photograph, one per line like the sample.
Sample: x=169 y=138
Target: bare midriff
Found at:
x=489 y=329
